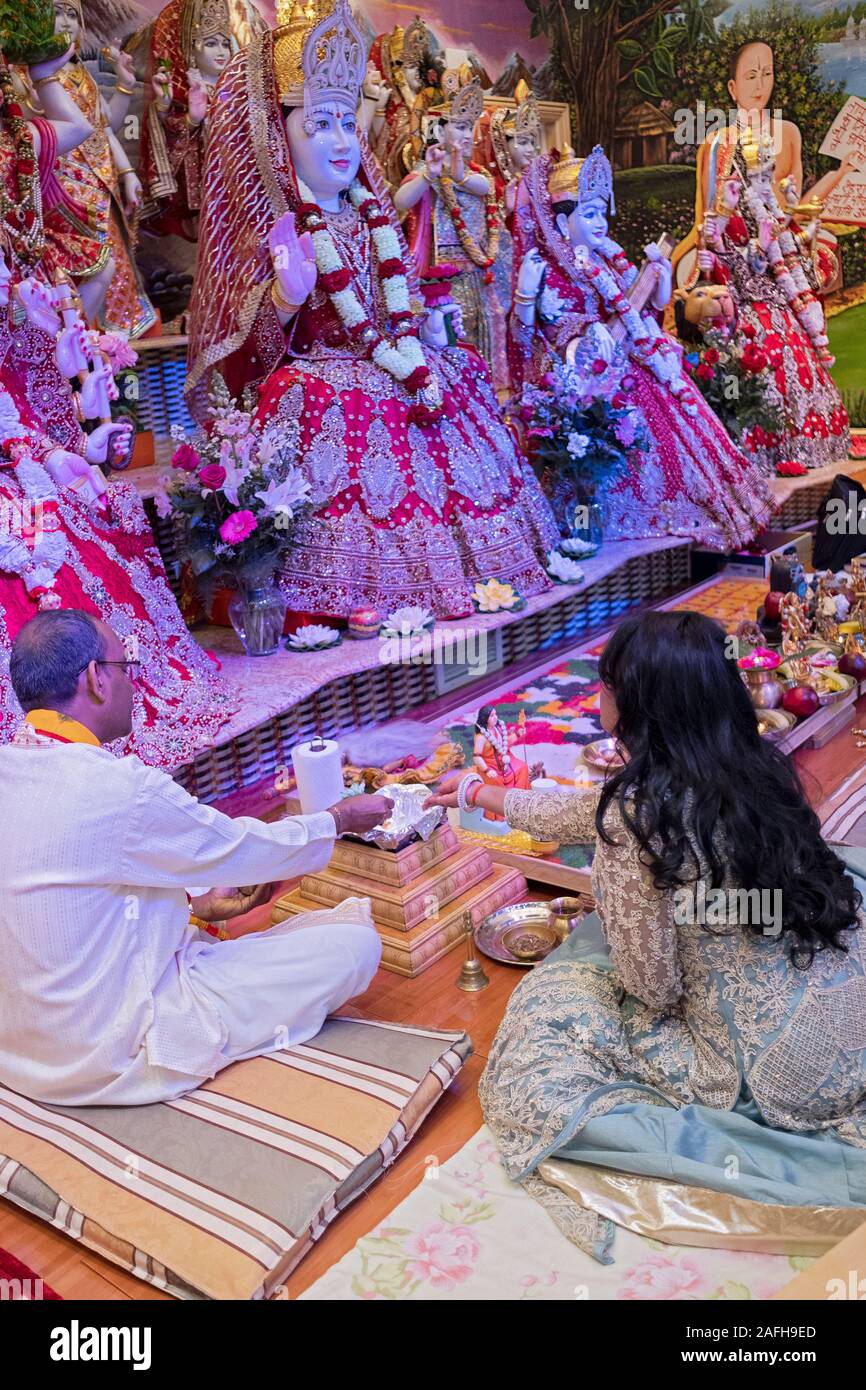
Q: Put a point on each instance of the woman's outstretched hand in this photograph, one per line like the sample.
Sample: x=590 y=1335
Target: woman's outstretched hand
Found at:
x=446 y=792
x=294 y=260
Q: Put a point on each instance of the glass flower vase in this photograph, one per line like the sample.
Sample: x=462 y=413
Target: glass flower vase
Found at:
x=257 y=612
x=587 y=523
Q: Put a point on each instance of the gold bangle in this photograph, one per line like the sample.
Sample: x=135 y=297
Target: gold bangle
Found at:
x=43 y=81
x=525 y=298
x=279 y=302
x=121 y=173
x=127 y=91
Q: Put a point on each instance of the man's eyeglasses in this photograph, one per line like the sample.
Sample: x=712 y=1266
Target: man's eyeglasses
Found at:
x=131 y=667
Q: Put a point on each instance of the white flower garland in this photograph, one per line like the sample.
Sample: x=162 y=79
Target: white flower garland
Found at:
x=784 y=258
x=405 y=356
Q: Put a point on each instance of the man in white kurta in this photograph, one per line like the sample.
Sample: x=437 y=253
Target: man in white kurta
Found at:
x=107 y=996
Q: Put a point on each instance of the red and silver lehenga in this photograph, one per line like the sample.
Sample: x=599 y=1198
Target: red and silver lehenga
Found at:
x=103 y=561
x=407 y=510
x=691 y=480
x=815 y=431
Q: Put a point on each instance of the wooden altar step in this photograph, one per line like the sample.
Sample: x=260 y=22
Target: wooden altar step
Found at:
x=422 y=897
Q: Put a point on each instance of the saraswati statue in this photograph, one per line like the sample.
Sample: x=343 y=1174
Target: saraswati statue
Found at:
x=577 y=296
x=304 y=291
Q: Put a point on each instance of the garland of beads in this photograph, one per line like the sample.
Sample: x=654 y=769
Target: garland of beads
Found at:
x=485 y=260
x=21 y=215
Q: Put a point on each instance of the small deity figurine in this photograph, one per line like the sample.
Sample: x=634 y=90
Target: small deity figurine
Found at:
x=452 y=215
x=302 y=291
x=98 y=176
x=827 y=609
x=492 y=756
x=753 y=247
x=796 y=627
x=515 y=138
x=191 y=45
x=577 y=297
x=402 y=82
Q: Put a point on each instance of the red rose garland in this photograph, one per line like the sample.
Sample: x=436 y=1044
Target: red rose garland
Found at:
x=21 y=216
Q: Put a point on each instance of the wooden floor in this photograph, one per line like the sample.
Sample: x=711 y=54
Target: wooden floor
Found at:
x=432 y=1000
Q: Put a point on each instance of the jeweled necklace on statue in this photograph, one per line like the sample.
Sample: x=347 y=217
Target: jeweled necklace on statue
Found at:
x=484 y=259
x=21 y=215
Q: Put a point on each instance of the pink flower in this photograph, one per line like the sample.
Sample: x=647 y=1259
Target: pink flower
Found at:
x=659 y=1278
x=213 y=475
x=237 y=527
x=443 y=1255
x=118 y=351
x=185 y=457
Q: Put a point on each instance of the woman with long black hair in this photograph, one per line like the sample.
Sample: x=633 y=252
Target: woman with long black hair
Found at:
x=705 y=1034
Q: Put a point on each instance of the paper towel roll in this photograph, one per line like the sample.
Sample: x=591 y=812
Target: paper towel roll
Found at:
x=318 y=773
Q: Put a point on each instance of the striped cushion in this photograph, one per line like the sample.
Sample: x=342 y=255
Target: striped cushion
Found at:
x=219 y=1194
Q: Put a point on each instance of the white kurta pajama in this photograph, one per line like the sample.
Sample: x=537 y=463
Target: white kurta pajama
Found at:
x=106 y=994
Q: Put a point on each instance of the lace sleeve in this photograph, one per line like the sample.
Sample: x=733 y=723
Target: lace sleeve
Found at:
x=567 y=817
x=638 y=921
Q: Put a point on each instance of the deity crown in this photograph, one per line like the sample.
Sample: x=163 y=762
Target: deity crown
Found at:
x=201 y=20
x=319 y=54
x=595 y=179
x=415 y=41
x=335 y=59
x=464 y=99
x=562 y=181
x=525 y=120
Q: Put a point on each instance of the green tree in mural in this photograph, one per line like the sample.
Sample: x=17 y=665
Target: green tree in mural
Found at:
x=606 y=55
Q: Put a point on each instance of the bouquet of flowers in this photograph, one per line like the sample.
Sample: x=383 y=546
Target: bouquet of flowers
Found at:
x=235 y=494
x=582 y=430
x=735 y=380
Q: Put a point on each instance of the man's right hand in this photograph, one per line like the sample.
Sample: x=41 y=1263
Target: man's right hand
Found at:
x=355 y=815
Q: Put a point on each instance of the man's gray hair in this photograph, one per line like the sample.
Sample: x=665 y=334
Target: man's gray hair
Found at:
x=49 y=654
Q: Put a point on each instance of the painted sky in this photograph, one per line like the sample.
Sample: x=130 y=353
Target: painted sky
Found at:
x=462 y=24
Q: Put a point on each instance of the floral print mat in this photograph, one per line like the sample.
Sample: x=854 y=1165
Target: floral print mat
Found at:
x=467 y=1232
x=561 y=703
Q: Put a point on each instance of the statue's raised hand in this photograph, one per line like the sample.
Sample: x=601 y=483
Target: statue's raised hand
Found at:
x=530 y=275
x=163 y=90
x=294 y=260
x=123 y=64
x=435 y=160
x=197 y=100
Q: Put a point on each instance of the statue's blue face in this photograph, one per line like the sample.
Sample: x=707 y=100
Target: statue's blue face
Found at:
x=325 y=149
x=587 y=224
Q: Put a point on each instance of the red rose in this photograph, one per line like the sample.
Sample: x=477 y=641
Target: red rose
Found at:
x=599 y=367
x=213 y=475
x=393 y=266
x=335 y=280
x=185 y=457
x=790 y=468
x=711 y=357
x=703 y=372
x=754 y=359
x=618 y=400
x=417 y=379
x=629 y=383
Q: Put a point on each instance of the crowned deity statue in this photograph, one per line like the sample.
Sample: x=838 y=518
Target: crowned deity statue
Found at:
x=402 y=80
x=512 y=139
x=452 y=216
x=304 y=289
x=752 y=247
x=97 y=176
x=578 y=298
x=191 y=44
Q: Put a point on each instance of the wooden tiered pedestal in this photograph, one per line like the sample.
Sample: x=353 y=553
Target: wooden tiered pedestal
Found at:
x=420 y=894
